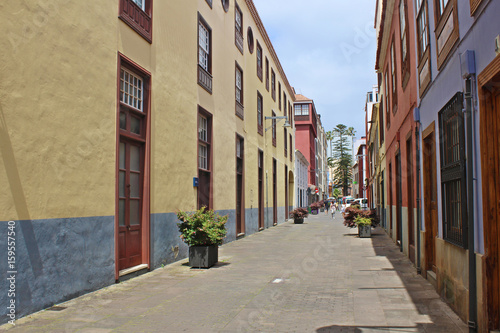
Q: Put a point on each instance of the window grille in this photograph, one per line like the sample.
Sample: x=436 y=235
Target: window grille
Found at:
x=453 y=185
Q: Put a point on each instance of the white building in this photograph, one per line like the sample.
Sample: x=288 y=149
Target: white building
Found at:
x=301 y=170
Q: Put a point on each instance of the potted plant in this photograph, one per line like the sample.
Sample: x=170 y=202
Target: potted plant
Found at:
x=298 y=215
x=203 y=231
x=314 y=208
x=364 y=224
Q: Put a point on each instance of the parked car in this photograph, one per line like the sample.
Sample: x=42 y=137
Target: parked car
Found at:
x=362 y=202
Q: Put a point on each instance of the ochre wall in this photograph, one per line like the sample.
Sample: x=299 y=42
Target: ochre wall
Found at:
x=57 y=109
x=58 y=129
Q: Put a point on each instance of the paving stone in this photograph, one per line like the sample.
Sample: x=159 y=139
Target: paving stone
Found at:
x=315 y=277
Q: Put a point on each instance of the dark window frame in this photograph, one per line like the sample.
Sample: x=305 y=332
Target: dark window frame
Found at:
x=279 y=95
x=274 y=129
x=205 y=75
x=138 y=19
x=238 y=33
x=267 y=74
x=239 y=108
x=394 y=77
x=209 y=144
x=260 y=114
x=474 y=5
x=273 y=85
x=453 y=171
x=250 y=40
x=387 y=99
x=285 y=142
x=423 y=45
x=441 y=17
x=260 y=60
x=405 y=45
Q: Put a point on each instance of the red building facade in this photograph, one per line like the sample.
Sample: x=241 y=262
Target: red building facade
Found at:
x=396 y=67
x=306 y=132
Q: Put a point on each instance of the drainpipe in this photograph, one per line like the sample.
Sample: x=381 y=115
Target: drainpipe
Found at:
x=416 y=116
x=470 y=211
x=468 y=71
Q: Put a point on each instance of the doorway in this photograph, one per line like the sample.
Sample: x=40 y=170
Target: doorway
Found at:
x=275 y=193
x=132 y=169
x=286 y=192
x=430 y=197
x=409 y=188
x=390 y=200
x=130 y=178
x=240 y=187
x=261 y=189
x=399 y=203
x=489 y=97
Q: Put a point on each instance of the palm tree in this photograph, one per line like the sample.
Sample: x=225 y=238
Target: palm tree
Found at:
x=341 y=160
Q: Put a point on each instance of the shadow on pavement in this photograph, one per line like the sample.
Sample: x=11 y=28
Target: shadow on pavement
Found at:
x=360 y=329
x=438 y=315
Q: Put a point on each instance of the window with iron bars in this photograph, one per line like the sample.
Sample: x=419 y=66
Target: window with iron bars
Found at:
x=453 y=182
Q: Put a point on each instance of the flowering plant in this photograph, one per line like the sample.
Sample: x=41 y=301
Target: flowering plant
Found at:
x=299 y=213
x=204 y=227
x=316 y=205
x=353 y=213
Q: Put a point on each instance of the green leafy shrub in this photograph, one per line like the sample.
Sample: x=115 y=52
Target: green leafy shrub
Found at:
x=351 y=213
x=362 y=220
x=203 y=227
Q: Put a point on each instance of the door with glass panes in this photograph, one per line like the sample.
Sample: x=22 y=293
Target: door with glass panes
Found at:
x=131 y=166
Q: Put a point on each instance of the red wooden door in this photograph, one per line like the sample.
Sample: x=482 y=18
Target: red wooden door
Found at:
x=261 y=190
x=275 y=194
x=490 y=168
x=130 y=180
x=430 y=200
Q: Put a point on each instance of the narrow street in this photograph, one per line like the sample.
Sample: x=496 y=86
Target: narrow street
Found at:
x=313 y=277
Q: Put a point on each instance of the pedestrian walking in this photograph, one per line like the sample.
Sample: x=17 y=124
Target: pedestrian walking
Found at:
x=327 y=206
x=342 y=209
x=332 y=210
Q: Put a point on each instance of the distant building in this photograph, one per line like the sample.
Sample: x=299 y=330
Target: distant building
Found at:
x=306 y=135
x=359 y=172
x=301 y=179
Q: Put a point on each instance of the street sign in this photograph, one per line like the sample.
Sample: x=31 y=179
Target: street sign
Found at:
x=317 y=191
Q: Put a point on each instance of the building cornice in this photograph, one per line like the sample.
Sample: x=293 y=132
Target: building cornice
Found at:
x=263 y=32
x=384 y=33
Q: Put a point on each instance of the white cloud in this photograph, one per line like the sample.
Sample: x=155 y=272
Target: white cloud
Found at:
x=327 y=49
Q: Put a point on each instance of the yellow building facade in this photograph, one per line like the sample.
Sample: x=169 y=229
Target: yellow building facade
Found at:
x=116 y=115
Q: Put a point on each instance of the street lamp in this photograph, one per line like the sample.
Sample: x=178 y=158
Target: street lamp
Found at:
x=286 y=124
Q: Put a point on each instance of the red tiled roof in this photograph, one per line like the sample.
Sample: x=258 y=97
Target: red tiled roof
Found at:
x=299 y=97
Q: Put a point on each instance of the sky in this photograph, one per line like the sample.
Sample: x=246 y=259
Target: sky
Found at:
x=327 y=50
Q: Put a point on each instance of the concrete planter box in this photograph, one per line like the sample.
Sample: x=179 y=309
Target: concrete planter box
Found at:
x=203 y=256
x=365 y=231
x=314 y=211
x=298 y=220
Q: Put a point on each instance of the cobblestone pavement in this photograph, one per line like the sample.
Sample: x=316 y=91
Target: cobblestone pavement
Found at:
x=312 y=277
